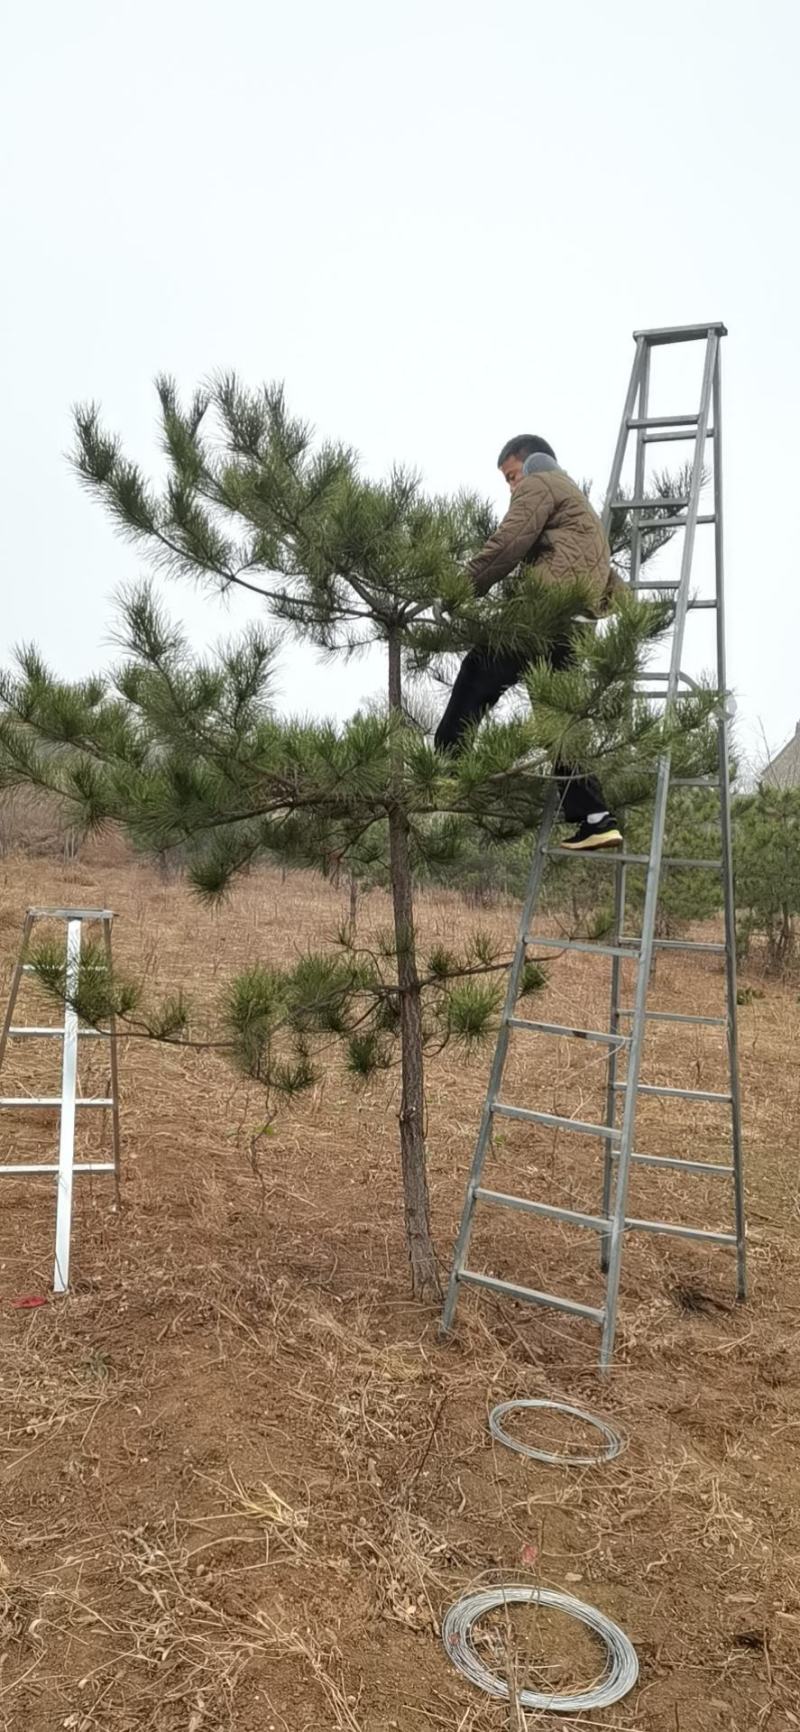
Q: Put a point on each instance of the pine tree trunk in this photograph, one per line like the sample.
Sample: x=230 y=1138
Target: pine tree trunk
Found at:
x=787 y=935
x=424 y=1276
x=353 y=905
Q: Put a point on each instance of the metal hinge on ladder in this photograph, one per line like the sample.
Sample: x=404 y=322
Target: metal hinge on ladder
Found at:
x=68 y=1102
x=611 y=1220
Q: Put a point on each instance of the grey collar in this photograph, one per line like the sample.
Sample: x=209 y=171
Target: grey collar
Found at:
x=538 y=462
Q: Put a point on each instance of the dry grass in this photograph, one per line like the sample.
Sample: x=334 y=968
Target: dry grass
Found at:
x=241 y=1478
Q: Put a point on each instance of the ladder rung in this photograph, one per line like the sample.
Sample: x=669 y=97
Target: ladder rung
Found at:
x=676 y=1016
x=575 y=1033
x=665 y=674
x=686 y=944
x=666 y=437
x=682 y=944
x=584 y=945
x=660 y=523
x=673 y=522
x=685 y=1094
x=19 y=1169
x=90 y=968
x=679 y=1232
x=529 y=1295
x=643 y=504
x=679 y=1166
x=651 y=583
x=682 y=862
x=695 y=782
x=606 y=857
x=635 y=421
x=534 y=1118
x=549 y=1211
x=54 y=1101
x=58 y=1033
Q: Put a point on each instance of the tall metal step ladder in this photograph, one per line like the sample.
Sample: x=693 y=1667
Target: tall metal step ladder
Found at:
x=611 y=1222
x=69 y=1033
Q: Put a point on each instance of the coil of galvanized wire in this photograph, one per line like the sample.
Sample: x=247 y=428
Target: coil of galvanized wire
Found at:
x=622 y=1666
x=614 y=1443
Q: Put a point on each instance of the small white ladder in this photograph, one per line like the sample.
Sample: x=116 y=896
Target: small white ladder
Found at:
x=68 y=1100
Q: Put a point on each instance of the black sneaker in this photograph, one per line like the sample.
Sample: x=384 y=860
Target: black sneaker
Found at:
x=605 y=834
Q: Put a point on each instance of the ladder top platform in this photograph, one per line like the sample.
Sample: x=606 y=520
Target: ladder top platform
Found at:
x=681 y=333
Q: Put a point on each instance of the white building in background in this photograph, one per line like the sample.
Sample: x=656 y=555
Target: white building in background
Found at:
x=784 y=770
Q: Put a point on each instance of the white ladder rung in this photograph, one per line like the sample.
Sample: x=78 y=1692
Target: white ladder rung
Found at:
x=58 y=1033
x=86 y=968
x=17 y=1168
x=55 y=1101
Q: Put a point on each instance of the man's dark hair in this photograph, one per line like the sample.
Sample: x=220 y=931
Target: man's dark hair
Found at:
x=525 y=445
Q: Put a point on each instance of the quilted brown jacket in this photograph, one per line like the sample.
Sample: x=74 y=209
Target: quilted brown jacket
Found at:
x=549 y=524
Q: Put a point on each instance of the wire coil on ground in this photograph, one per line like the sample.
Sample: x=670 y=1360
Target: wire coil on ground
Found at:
x=622 y=1666
x=614 y=1444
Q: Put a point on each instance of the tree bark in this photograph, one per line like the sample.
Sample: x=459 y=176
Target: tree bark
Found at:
x=424 y=1275
x=353 y=905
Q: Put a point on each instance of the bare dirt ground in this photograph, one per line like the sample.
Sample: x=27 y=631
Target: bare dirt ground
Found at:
x=242 y=1478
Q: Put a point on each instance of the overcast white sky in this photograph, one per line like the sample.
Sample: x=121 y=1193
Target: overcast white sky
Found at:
x=438 y=220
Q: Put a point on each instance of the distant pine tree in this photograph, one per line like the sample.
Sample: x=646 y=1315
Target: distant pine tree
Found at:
x=766 y=830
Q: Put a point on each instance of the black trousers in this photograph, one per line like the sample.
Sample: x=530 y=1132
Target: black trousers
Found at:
x=480 y=683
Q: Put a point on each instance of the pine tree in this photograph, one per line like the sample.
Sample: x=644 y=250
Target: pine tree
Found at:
x=766 y=828
x=189 y=756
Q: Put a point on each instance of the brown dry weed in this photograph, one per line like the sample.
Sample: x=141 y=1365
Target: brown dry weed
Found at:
x=241 y=1476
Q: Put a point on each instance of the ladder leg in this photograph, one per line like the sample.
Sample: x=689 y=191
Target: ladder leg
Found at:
x=114 y=1068
x=501 y=1050
x=15 y=984
x=731 y=1023
x=639 y=468
x=727 y=860
x=634 y=1065
x=619 y=875
x=66 y=1136
x=640 y=358
x=628 y=1127
x=609 y=1154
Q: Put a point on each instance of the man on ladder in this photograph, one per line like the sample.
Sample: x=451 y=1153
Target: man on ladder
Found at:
x=549 y=524
x=631 y=1011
